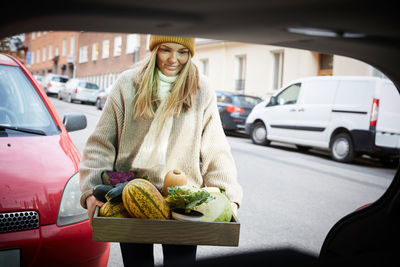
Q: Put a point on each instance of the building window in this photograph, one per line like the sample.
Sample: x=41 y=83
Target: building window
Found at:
x=38 y=56
x=132 y=43
x=44 y=54
x=117 y=46
x=33 y=35
x=95 y=51
x=72 y=47
x=33 y=57
x=204 y=66
x=106 y=49
x=83 y=54
x=64 y=48
x=240 y=73
x=57 y=53
x=277 y=69
x=38 y=34
x=50 y=52
x=325 y=64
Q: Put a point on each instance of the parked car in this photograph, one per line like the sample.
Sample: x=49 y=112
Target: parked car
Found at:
x=350 y=116
x=41 y=220
x=80 y=90
x=54 y=82
x=234 y=109
x=102 y=98
x=39 y=79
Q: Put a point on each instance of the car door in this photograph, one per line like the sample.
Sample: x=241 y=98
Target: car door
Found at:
x=280 y=114
x=314 y=111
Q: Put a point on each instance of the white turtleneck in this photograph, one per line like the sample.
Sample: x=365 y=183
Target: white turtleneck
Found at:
x=165 y=84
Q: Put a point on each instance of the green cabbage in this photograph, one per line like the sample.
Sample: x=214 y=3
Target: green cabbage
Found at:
x=217 y=210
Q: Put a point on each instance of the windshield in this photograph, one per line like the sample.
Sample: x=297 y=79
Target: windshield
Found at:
x=20 y=104
x=59 y=79
x=246 y=101
x=87 y=85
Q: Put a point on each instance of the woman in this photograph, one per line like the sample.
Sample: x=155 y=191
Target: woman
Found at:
x=160 y=116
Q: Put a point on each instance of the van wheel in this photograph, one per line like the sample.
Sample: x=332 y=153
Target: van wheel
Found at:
x=258 y=134
x=342 y=148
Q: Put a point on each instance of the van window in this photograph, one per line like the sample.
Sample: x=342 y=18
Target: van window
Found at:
x=289 y=95
x=319 y=92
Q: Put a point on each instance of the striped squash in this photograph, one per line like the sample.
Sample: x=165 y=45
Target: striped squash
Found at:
x=142 y=200
x=114 y=210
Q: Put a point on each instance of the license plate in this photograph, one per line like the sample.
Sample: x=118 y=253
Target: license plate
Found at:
x=10 y=258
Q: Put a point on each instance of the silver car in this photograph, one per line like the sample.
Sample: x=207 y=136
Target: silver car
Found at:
x=79 y=90
x=53 y=83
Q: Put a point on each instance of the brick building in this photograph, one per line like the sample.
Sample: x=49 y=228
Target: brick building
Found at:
x=52 y=52
x=103 y=56
x=92 y=56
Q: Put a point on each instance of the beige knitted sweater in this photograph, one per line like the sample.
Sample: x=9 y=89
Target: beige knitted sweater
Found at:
x=197 y=144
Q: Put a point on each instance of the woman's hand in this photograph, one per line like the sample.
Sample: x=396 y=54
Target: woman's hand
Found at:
x=92 y=203
x=234 y=208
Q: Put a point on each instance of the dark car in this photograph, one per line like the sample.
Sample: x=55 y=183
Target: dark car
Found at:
x=234 y=109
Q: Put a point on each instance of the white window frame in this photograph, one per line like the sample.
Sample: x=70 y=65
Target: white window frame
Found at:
x=277 y=69
x=105 y=51
x=50 y=52
x=38 y=56
x=83 y=54
x=117 y=46
x=44 y=54
x=33 y=35
x=64 y=48
x=72 y=46
x=57 y=52
x=132 y=43
x=95 y=51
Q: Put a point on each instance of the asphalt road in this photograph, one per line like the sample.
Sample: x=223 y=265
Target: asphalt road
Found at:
x=291 y=199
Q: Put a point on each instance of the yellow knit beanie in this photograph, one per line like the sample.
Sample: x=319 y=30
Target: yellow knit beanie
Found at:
x=158 y=39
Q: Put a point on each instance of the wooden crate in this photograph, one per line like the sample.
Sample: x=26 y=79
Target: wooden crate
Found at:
x=133 y=230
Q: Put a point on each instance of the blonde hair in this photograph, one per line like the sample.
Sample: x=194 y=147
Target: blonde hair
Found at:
x=182 y=94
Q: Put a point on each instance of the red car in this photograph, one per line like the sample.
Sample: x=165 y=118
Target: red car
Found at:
x=41 y=220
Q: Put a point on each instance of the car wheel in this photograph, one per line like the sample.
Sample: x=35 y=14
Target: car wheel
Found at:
x=342 y=148
x=258 y=134
x=98 y=104
x=59 y=96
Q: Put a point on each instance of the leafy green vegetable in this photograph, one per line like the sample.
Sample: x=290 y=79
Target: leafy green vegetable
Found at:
x=217 y=210
x=187 y=198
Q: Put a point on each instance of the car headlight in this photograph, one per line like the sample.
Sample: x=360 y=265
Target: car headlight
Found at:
x=70 y=210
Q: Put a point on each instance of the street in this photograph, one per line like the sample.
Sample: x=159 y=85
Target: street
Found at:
x=291 y=198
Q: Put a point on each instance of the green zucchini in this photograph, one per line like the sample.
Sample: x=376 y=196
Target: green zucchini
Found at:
x=100 y=191
x=115 y=194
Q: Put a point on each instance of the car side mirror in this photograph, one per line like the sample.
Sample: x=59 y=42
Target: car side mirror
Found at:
x=74 y=122
x=272 y=101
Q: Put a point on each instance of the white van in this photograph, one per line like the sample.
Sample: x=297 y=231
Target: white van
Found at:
x=348 y=115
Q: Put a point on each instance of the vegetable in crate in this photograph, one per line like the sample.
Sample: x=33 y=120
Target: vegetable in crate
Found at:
x=172 y=178
x=115 y=194
x=217 y=210
x=100 y=191
x=143 y=200
x=114 y=210
x=186 y=197
x=114 y=178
